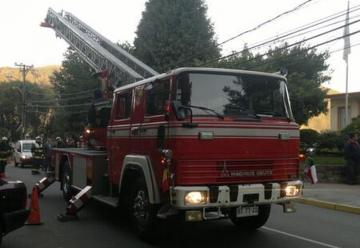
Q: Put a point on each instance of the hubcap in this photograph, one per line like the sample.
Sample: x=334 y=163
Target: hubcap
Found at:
x=140 y=206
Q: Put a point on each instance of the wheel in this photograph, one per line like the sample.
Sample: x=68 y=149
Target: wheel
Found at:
x=143 y=213
x=66 y=182
x=253 y=222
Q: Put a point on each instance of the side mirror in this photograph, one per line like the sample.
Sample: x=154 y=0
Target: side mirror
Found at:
x=179 y=110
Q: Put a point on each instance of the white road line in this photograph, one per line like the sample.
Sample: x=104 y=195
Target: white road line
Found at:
x=299 y=237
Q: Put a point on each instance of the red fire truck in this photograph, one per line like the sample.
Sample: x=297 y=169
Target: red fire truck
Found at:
x=201 y=143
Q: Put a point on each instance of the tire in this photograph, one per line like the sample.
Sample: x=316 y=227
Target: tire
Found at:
x=66 y=182
x=1 y=233
x=143 y=213
x=253 y=222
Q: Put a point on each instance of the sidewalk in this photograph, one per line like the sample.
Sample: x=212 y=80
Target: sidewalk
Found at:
x=341 y=197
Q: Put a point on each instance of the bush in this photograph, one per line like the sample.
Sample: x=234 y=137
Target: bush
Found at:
x=330 y=141
x=353 y=127
x=308 y=138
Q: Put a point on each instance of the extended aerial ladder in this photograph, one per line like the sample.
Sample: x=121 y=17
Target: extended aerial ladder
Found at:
x=105 y=57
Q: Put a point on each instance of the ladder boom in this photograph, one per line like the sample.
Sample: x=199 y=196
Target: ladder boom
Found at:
x=100 y=53
x=143 y=69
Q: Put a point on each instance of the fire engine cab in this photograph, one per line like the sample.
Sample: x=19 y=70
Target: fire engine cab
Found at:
x=201 y=143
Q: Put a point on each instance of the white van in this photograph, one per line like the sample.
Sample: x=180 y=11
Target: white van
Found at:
x=22 y=152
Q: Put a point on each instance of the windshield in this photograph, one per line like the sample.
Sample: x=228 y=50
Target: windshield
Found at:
x=27 y=147
x=234 y=94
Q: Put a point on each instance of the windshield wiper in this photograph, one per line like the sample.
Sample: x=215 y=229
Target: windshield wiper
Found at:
x=244 y=112
x=220 y=116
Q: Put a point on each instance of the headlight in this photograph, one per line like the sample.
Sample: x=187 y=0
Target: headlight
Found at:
x=23 y=157
x=291 y=190
x=196 y=198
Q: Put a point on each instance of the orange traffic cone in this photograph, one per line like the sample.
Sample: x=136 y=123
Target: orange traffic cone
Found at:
x=34 y=216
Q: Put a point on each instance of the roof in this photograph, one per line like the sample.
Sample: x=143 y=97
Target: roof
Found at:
x=342 y=95
x=198 y=69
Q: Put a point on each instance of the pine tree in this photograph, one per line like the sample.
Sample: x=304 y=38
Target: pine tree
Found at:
x=175 y=33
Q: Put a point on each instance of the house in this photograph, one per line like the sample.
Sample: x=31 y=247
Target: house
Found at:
x=337 y=109
x=334 y=119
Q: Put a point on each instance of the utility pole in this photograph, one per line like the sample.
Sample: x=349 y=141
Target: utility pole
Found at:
x=24 y=69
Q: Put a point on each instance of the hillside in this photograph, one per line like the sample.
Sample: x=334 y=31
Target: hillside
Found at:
x=38 y=75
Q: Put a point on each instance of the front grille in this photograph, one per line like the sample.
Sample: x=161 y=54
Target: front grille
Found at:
x=268 y=191
x=214 y=194
x=215 y=172
x=234 y=191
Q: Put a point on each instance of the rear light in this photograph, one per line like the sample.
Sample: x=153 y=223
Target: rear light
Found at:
x=302 y=157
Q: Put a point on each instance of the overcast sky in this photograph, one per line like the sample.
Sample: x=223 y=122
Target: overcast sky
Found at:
x=23 y=40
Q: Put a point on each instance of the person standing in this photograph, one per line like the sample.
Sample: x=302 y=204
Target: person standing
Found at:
x=47 y=151
x=38 y=154
x=352 y=157
x=5 y=153
x=59 y=143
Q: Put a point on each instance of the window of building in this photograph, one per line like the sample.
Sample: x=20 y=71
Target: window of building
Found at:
x=341 y=117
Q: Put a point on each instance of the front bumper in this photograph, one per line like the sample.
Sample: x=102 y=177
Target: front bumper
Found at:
x=234 y=195
x=26 y=161
x=14 y=220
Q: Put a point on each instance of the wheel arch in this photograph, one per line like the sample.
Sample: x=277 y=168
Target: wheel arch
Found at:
x=135 y=166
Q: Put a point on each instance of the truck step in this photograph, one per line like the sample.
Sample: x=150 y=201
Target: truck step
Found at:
x=111 y=201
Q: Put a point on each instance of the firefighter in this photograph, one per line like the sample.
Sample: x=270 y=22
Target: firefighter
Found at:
x=5 y=152
x=59 y=143
x=38 y=154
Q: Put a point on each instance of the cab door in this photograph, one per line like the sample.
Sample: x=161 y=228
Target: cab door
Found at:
x=118 y=133
x=137 y=130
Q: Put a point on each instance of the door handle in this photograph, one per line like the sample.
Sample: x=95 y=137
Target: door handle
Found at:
x=137 y=130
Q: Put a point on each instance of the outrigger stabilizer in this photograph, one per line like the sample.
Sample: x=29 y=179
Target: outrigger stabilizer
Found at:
x=76 y=203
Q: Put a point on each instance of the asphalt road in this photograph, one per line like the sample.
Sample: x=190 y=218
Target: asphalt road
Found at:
x=100 y=226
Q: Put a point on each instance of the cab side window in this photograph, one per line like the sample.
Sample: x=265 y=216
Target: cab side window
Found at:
x=156 y=97
x=123 y=105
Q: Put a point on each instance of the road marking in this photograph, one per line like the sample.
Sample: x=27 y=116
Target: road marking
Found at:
x=299 y=237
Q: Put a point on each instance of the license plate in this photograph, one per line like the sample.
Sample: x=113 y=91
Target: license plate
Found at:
x=245 y=211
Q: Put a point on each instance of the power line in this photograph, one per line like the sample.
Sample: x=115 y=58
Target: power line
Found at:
x=67 y=94
x=59 y=99
x=294 y=32
x=68 y=112
x=307 y=49
x=60 y=106
x=264 y=23
x=285 y=47
x=278 y=38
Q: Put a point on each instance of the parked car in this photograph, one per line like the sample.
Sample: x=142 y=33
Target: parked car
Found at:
x=13 y=212
x=22 y=153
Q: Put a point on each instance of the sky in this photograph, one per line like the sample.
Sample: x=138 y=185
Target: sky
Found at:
x=24 y=41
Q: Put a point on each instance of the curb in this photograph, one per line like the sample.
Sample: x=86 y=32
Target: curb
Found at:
x=329 y=205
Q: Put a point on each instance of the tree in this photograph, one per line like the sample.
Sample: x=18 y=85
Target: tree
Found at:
x=74 y=87
x=11 y=108
x=174 y=33
x=307 y=70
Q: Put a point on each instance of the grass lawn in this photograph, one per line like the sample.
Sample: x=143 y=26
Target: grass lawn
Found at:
x=328 y=160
